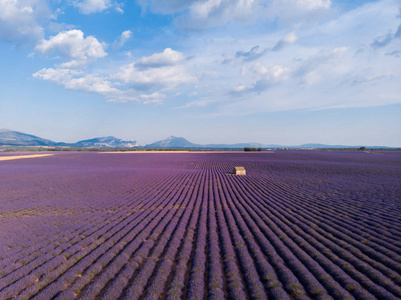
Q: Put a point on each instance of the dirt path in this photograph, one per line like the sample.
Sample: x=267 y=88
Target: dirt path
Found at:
x=23 y=156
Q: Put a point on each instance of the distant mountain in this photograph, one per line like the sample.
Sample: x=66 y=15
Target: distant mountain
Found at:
x=106 y=142
x=180 y=142
x=317 y=146
x=173 y=142
x=19 y=139
x=15 y=138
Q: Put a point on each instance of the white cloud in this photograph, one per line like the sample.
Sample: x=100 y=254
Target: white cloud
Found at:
x=311 y=4
x=122 y=39
x=132 y=95
x=195 y=14
x=21 y=20
x=159 y=72
x=72 y=44
x=78 y=80
x=73 y=64
x=168 y=57
x=322 y=69
x=301 y=66
x=165 y=70
x=255 y=53
x=357 y=26
x=268 y=77
x=284 y=42
x=119 y=7
x=237 y=8
x=91 y=6
x=250 y=55
x=166 y=6
x=384 y=40
x=240 y=89
x=210 y=13
x=299 y=10
x=155 y=97
x=167 y=77
x=92 y=83
x=56 y=75
x=203 y=14
x=311 y=78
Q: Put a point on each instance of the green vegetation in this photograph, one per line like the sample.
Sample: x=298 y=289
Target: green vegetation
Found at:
x=252 y=149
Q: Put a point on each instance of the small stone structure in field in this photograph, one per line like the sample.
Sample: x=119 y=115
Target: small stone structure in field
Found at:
x=239 y=171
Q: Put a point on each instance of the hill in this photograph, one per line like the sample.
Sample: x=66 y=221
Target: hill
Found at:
x=19 y=139
x=106 y=142
x=15 y=138
x=173 y=142
x=10 y=138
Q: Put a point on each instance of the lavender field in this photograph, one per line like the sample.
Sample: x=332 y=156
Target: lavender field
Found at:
x=299 y=225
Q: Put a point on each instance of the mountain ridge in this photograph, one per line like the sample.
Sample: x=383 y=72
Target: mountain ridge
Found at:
x=107 y=142
x=172 y=142
x=18 y=139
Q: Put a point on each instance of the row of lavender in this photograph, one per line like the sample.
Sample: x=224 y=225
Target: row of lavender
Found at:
x=178 y=226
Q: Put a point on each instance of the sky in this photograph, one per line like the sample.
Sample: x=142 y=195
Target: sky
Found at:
x=213 y=71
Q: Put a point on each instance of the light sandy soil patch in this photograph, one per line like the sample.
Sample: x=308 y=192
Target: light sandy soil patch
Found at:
x=23 y=156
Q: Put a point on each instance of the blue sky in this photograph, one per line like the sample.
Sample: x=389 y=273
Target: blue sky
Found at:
x=213 y=71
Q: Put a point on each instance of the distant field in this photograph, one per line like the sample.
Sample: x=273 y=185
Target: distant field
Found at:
x=184 y=151
x=299 y=225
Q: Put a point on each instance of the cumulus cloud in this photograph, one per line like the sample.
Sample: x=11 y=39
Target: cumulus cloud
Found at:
x=72 y=44
x=94 y=83
x=268 y=78
x=122 y=39
x=22 y=20
x=155 y=97
x=92 y=6
x=168 y=57
x=56 y=75
x=156 y=73
x=264 y=66
x=76 y=80
x=164 y=78
x=160 y=71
